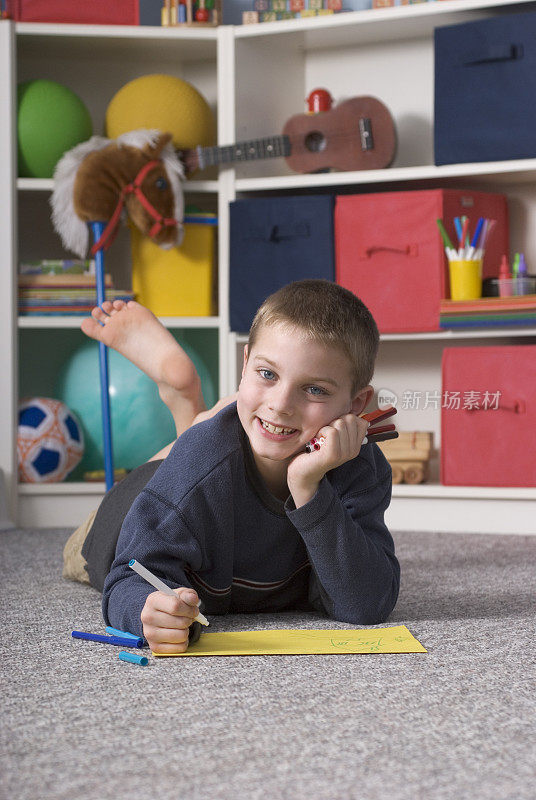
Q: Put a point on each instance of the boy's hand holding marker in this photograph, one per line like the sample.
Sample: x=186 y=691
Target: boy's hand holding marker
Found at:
x=377 y=433
x=342 y=441
x=166 y=620
x=335 y=444
x=168 y=613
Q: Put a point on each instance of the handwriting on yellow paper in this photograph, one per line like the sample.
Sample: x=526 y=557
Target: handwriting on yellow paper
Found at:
x=397 y=639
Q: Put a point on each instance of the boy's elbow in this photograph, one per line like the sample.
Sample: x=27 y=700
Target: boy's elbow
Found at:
x=370 y=611
x=388 y=601
x=363 y=617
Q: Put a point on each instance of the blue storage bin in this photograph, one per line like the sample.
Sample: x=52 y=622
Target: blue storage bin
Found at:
x=485 y=90
x=276 y=240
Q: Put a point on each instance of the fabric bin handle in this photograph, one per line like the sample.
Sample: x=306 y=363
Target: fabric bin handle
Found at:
x=408 y=250
x=506 y=404
x=279 y=233
x=298 y=230
x=497 y=52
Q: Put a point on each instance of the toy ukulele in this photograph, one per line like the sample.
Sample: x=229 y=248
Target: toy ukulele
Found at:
x=377 y=433
x=357 y=134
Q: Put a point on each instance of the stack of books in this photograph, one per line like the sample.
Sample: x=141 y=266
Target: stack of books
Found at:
x=62 y=288
x=488 y=312
x=389 y=3
x=275 y=10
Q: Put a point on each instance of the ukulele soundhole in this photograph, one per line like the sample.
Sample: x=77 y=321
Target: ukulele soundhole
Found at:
x=315 y=142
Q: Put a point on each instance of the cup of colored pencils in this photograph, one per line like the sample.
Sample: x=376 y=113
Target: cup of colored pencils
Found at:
x=465 y=261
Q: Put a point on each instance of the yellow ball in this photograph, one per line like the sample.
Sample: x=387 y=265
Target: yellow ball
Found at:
x=165 y=103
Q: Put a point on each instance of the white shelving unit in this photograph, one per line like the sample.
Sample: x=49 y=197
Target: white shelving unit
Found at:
x=95 y=61
x=388 y=53
x=255 y=77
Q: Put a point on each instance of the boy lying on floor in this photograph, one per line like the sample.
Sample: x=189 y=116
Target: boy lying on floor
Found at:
x=236 y=513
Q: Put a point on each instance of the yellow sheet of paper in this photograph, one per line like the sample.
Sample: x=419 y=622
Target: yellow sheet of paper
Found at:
x=397 y=639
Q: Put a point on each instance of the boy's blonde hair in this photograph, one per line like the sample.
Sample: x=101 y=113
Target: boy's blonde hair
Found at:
x=328 y=314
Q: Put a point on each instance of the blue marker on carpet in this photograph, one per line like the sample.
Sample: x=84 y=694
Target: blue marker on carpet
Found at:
x=134 y=658
x=120 y=641
x=124 y=634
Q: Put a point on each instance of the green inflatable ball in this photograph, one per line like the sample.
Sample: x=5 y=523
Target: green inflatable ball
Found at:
x=51 y=119
x=141 y=423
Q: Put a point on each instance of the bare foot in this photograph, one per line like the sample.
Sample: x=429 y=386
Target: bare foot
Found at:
x=137 y=334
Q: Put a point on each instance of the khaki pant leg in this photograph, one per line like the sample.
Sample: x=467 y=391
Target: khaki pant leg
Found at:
x=74 y=564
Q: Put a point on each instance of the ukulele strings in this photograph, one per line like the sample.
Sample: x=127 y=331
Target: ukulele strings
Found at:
x=331 y=137
x=336 y=137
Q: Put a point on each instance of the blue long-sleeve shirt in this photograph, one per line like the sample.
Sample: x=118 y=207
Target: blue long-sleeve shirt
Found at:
x=206 y=520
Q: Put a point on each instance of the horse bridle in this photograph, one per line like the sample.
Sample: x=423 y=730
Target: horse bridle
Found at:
x=134 y=187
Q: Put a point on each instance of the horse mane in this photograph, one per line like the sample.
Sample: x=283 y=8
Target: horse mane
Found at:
x=73 y=231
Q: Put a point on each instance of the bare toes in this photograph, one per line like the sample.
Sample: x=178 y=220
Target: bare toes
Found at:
x=90 y=327
x=118 y=305
x=107 y=306
x=98 y=314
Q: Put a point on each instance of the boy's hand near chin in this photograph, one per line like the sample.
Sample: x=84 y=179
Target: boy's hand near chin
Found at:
x=343 y=438
x=166 y=620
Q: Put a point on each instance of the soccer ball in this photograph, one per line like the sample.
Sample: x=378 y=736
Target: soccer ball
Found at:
x=50 y=442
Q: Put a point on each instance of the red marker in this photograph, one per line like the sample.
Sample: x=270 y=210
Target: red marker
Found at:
x=380 y=414
x=377 y=433
x=505 y=278
x=314 y=444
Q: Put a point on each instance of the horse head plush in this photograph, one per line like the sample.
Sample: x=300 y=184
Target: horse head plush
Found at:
x=103 y=180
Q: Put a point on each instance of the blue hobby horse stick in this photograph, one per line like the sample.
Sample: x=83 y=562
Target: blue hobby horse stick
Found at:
x=97 y=229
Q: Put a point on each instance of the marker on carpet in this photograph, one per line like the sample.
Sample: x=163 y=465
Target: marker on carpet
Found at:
x=120 y=641
x=160 y=585
x=133 y=658
x=124 y=634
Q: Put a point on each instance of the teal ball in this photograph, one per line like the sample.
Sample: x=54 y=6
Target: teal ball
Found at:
x=141 y=423
x=51 y=119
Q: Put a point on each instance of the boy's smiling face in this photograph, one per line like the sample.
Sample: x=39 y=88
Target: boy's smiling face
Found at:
x=291 y=387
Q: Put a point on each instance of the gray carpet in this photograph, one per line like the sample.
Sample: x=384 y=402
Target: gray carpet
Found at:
x=457 y=722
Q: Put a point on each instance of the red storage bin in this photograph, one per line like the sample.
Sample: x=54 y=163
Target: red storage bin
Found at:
x=95 y=12
x=490 y=439
x=389 y=252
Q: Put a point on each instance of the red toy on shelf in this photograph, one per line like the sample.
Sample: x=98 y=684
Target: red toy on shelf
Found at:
x=319 y=100
x=206 y=13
